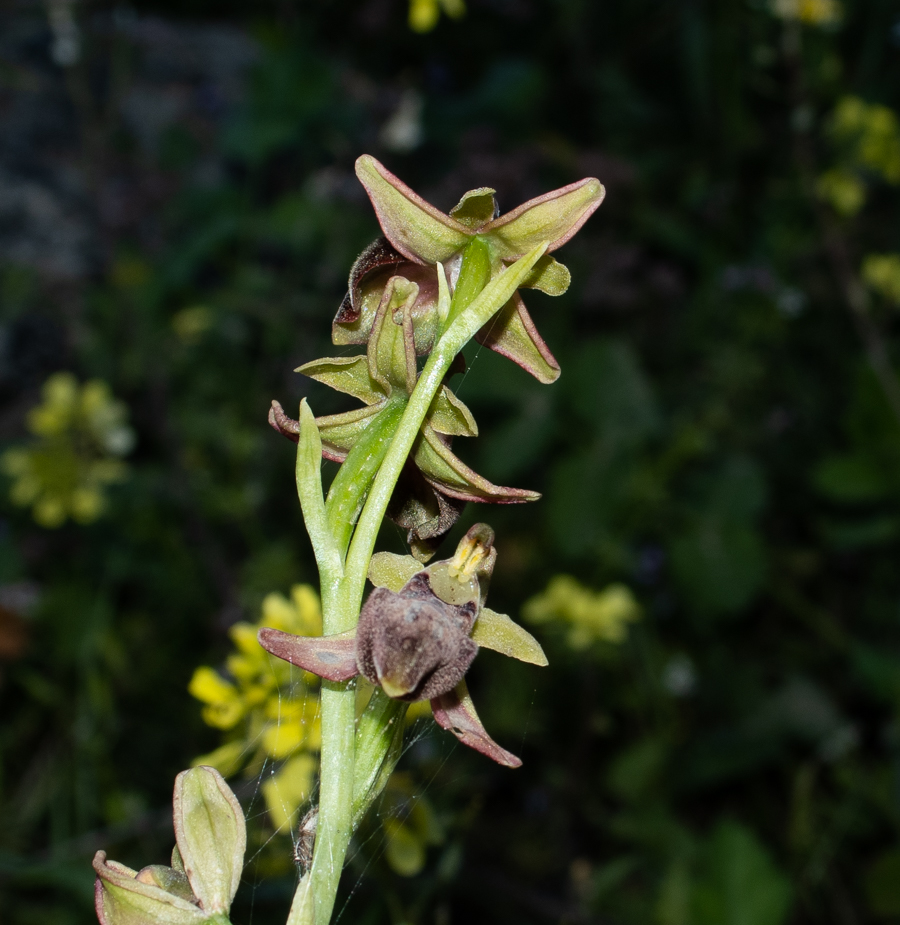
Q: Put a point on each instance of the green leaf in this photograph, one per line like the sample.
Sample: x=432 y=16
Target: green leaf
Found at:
x=496 y=631
x=850 y=478
x=740 y=883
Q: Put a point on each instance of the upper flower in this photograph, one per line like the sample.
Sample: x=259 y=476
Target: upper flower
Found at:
x=418 y=236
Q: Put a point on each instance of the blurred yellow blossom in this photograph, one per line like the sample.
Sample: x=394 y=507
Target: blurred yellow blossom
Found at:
x=269 y=709
x=591 y=616
x=843 y=189
x=881 y=273
x=190 y=324
x=811 y=12
x=424 y=14
x=82 y=431
x=867 y=138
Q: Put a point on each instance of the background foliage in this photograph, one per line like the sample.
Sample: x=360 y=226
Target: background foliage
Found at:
x=178 y=214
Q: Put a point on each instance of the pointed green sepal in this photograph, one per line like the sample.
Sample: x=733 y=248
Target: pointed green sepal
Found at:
x=554 y=217
x=513 y=334
x=349 y=375
x=449 y=474
x=496 y=631
x=339 y=432
x=417 y=230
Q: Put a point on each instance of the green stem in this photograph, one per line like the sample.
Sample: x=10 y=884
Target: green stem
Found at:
x=351 y=485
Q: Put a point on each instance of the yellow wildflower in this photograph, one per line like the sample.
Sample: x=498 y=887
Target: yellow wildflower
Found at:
x=270 y=710
x=810 y=12
x=591 y=616
x=424 y=14
x=881 y=273
x=81 y=432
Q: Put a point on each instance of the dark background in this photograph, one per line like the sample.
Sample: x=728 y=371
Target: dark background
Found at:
x=737 y=760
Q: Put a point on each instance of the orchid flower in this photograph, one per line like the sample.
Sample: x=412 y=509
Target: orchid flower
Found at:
x=418 y=633
x=419 y=237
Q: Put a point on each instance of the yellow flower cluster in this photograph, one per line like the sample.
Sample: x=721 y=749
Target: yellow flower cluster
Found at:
x=82 y=431
x=881 y=273
x=268 y=709
x=591 y=616
x=424 y=14
x=868 y=138
x=810 y=12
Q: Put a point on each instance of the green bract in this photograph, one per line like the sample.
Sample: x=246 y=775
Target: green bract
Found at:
x=211 y=837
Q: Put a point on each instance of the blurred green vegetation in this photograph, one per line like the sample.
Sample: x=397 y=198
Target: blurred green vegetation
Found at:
x=178 y=216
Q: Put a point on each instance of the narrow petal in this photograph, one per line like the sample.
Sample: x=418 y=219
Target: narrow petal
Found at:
x=553 y=217
x=391 y=571
x=378 y=255
x=340 y=431
x=330 y=657
x=549 y=276
x=448 y=415
x=450 y=475
x=476 y=208
x=418 y=230
x=392 y=350
x=496 y=631
x=513 y=334
x=456 y=712
x=349 y=375
x=282 y=423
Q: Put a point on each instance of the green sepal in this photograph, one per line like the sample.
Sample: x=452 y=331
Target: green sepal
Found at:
x=349 y=375
x=450 y=474
x=513 y=334
x=122 y=899
x=420 y=232
x=553 y=217
x=449 y=416
x=339 y=432
x=496 y=631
